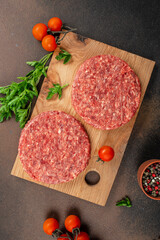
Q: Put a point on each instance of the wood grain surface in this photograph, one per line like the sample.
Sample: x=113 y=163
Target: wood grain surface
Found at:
x=81 y=49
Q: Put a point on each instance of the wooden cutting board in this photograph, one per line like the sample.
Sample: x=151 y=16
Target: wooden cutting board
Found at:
x=81 y=49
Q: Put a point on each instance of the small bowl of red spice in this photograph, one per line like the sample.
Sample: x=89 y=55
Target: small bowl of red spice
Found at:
x=149 y=178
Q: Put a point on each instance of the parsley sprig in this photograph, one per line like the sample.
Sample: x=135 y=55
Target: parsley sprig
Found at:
x=124 y=202
x=18 y=96
x=63 y=55
x=57 y=89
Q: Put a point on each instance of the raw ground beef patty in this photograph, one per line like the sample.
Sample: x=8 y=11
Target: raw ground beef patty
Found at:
x=54 y=147
x=106 y=92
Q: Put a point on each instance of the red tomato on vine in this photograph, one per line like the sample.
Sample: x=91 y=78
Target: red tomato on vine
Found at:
x=39 y=31
x=72 y=222
x=49 y=43
x=50 y=225
x=82 y=236
x=55 y=24
x=63 y=235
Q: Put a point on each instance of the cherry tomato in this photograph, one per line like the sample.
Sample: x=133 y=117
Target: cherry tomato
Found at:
x=106 y=153
x=71 y=222
x=49 y=43
x=82 y=236
x=63 y=235
x=50 y=225
x=39 y=31
x=55 y=24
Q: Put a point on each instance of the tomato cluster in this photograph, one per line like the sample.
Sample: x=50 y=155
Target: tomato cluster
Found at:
x=72 y=225
x=40 y=32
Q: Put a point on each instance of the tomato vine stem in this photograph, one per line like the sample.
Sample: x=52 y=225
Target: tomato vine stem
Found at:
x=57 y=234
x=67 y=29
x=75 y=232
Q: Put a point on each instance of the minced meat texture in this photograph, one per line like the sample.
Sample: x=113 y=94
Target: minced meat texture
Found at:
x=54 y=147
x=106 y=92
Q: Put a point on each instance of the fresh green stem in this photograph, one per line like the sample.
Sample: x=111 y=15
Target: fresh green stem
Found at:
x=29 y=110
x=65 y=85
x=47 y=58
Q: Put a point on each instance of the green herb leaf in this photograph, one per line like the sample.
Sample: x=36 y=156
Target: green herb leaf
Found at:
x=22 y=78
x=33 y=63
x=50 y=95
x=124 y=202
x=30 y=73
x=13 y=101
x=44 y=72
x=60 y=57
x=67 y=59
x=57 y=89
x=18 y=96
x=63 y=54
x=23 y=115
x=4 y=90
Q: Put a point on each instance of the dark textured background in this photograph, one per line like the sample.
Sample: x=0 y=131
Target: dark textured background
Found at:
x=130 y=25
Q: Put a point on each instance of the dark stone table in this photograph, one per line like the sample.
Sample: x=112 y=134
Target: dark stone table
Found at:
x=130 y=25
